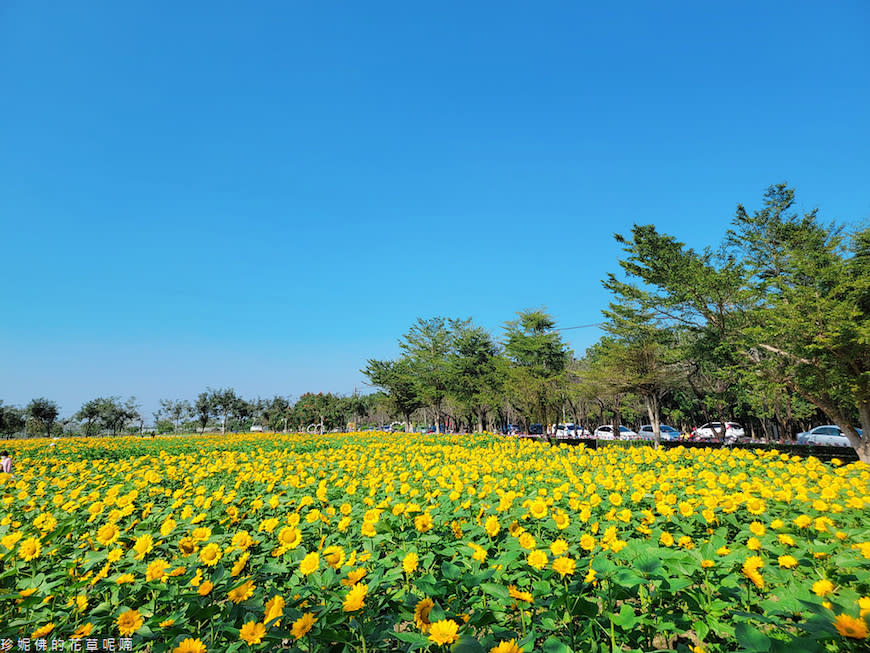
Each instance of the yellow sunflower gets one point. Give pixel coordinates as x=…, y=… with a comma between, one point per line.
x=421, y=614
x=302, y=625
x=252, y=632
x=355, y=598
x=129, y=622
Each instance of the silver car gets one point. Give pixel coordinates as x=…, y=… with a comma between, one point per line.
x=828, y=435
x=606, y=433
x=667, y=432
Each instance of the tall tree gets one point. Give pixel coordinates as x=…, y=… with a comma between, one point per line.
x=44, y=412
x=225, y=403
x=426, y=346
x=810, y=324
x=203, y=409
x=643, y=354
x=278, y=412
x=11, y=419
x=398, y=379
x=115, y=415
x=91, y=413
x=539, y=359
x=703, y=295
x=601, y=382
x=474, y=377
x=176, y=410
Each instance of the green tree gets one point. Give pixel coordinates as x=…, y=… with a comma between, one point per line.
x=643, y=354
x=809, y=329
x=203, y=409
x=539, y=359
x=398, y=379
x=278, y=412
x=427, y=346
x=176, y=411
x=700, y=296
x=355, y=408
x=320, y=408
x=11, y=420
x=473, y=373
x=602, y=384
x=91, y=414
x=115, y=415
x=44, y=412
x=224, y=403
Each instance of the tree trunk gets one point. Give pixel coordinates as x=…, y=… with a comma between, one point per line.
x=652, y=409
x=617, y=418
x=861, y=442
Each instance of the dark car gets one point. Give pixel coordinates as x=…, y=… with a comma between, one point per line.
x=536, y=429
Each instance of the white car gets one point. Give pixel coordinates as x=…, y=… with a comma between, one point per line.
x=605, y=432
x=667, y=432
x=828, y=435
x=712, y=430
x=571, y=431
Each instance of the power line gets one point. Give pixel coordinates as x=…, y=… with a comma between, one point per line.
x=581, y=326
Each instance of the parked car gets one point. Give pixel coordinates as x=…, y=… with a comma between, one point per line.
x=605, y=432
x=570, y=431
x=667, y=432
x=828, y=435
x=711, y=430
x=536, y=429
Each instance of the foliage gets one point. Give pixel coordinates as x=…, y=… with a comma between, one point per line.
x=539, y=360
x=810, y=326
x=175, y=411
x=43, y=412
x=11, y=419
x=108, y=413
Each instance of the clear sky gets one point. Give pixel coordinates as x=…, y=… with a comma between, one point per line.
x=264, y=195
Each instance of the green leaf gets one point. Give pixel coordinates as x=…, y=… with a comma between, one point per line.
x=496, y=590
x=647, y=564
x=751, y=638
x=437, y=613
x=220, y=573
x=467, y=644
x=626, y=618
x=553, y=645
x=676, y=584
x=627, y=578
x=549, y=623
x=450, y=571
x=145, y=632
x=584, y=608
x=412, y=638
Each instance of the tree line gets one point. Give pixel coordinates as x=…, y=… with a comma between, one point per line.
x=220, y=409
x=769, y=328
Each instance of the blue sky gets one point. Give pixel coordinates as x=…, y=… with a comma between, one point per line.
x=265, y=195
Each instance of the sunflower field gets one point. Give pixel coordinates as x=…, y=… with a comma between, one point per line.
x=394, y=542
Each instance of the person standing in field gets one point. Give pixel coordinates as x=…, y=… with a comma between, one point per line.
x=5, y=463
